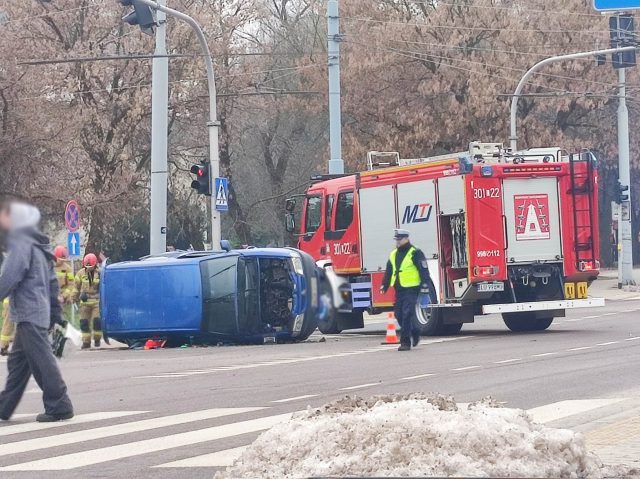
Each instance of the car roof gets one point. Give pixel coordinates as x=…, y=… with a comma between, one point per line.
x=176, y=258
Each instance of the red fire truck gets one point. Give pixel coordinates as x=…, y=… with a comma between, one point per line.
x=510, y=233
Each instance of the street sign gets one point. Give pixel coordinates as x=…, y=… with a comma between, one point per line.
x=72, y=216
x=221, y=191
x=615, y=5
x=73, y=243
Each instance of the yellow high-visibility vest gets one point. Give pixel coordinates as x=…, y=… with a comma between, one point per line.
x=409, y=275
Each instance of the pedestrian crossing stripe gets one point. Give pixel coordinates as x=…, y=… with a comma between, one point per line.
x=57, y=460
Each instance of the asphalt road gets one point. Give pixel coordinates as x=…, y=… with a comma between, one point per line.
x=137, y=410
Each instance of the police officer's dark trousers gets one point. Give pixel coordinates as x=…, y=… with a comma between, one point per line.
x=31, y=354
x=405, y=311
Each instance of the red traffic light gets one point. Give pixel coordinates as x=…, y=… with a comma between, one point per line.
x=202, y=183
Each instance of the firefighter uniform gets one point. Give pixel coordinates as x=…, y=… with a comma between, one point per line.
x=6, y=335
x=87, y=291
x=66, y=280
x=407, y=273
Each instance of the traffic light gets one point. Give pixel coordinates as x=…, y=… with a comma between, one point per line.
x=620, y=193
x=140, y=15
x=202, y=183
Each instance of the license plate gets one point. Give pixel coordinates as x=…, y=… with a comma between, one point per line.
x=488, y=287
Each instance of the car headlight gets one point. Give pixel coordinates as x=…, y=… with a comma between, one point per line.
x=296, y=260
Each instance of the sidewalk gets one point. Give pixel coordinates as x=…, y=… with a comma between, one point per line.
x=606, y=286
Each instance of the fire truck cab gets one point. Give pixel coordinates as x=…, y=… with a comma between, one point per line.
x=504, y=232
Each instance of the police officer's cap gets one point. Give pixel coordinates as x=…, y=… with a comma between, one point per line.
x=400, y=234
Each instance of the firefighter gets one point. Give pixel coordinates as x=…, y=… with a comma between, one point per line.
x=6, y=335
x=87, y=287
x=407, y=273
x=64, y=274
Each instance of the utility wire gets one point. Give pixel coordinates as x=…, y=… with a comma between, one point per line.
x=144, y=85
x=520, y=70
x=480, y=29
x=518, y=9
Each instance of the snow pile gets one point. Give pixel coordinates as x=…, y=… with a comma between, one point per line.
x=416, y=436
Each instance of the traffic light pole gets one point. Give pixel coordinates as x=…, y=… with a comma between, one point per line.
x=336, y=164
x=625, y=253
x=159, y=132
x=518, y=93
x=213, y=124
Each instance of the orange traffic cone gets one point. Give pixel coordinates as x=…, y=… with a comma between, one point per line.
x=392, y=337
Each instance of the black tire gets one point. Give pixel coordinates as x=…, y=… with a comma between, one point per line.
x=519, y=322
x=433, y=321
x=329, y=325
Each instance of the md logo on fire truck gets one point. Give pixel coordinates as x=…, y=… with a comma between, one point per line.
x=417, y=213
x=532, y=217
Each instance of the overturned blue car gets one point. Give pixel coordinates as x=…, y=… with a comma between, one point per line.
x=205, y=297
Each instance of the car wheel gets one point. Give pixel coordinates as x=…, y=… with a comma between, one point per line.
x=519, y=322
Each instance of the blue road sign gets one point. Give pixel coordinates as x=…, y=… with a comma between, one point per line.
x=605, y=5
x=72, y=216
x=73, y=244
x=221, y=191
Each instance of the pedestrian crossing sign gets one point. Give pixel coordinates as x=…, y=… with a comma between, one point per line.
x=222, y=194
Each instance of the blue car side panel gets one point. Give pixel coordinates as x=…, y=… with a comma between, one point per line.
x=158, y=298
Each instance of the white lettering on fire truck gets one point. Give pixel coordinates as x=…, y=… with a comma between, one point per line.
x=488, y=253
x=481, y=193
x=341, y=248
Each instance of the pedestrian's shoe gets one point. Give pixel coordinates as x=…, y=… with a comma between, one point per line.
x=96, y=342
x=4, y=351
x=4, y=417
x=86, y=344
x=415, y=339
x=54, y=417
x=404, y=347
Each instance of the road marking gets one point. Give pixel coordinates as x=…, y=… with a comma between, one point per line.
x=541, y=355
x=196, y=372
x=607, y=343
x=633, y=338
x=359, y=386
x=121, y=451
x=223, y=458
x=80, y=419
x=609, y=314
x=296, y=398
x=118, y=429
x=562, y=409
x=465, y=368
x=590, y=317
x=418, y=376
x=505, y=361
x=582, y=348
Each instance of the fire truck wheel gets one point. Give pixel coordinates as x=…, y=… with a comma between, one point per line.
x=330, y=324
x=430, y=321
x=525, y=322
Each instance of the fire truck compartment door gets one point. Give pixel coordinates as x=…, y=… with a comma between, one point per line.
x=417, y=213
x=377, y=221
x=533, y=221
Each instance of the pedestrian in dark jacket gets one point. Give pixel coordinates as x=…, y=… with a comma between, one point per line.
x=408, y=274
x=28, y=279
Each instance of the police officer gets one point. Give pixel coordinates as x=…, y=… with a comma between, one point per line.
x=88, y=292
x=407, y=273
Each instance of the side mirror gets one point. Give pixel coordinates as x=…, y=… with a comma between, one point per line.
x=290, y=222
x=290, y=205
x=225, y=245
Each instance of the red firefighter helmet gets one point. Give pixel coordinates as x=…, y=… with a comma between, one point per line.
x=90, y=261
x=60, y=252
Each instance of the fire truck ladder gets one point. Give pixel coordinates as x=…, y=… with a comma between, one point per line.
x=581, y=185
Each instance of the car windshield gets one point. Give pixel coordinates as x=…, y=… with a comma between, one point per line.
x=219, y=289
